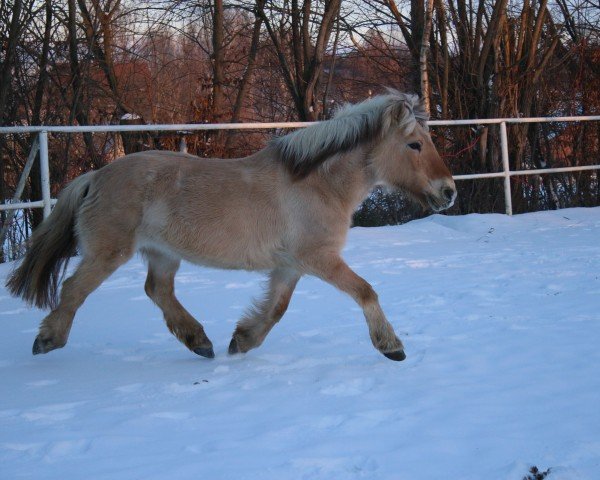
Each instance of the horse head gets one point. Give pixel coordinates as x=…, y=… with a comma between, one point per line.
x=405, y=158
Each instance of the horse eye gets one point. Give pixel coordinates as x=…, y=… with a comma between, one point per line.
x=415, y=146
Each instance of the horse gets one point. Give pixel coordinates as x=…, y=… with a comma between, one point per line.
x=285, y=210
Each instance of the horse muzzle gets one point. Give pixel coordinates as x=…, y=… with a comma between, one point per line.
x=442, y=194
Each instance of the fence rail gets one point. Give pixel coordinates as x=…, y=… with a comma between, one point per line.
x=41, y=143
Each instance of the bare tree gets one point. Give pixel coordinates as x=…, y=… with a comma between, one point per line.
x=300, y=44
x=423, y=57
x=38, y=104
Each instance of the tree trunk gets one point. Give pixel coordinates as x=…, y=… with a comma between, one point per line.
x=218, y=62
x=10, y=49
x=37, y=215
x=245, y=83
x=77, y=109
x=423, y=55
x=218, y=94
x=10, y=46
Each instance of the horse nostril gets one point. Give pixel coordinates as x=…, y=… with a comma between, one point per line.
x=448, y=193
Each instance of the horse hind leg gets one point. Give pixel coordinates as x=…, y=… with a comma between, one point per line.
x=258, y=322
x=93, y=269
x=160, y=287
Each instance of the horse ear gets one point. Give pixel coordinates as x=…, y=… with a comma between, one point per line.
x=400, y=113
x=419, y=110
x=394, y=115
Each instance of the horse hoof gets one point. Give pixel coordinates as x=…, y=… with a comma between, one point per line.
x=397, y=356
x=207, y=352
x=233, y=347
x=43, y=346
x=37, y=347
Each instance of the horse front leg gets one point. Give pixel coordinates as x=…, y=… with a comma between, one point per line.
x=335, y=271
x=252, y=329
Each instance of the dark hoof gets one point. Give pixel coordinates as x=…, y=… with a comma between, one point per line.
x=233, y=347
x=207, y=352
x=43, y=346
x=37, y=347
x=397, y=356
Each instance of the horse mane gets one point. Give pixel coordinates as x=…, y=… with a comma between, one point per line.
x=306, y=149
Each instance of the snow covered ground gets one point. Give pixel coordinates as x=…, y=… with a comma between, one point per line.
x=500, y=318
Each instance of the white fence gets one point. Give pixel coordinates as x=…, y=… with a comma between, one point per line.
x=41, y=145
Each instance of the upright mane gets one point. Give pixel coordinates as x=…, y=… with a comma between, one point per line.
x=306, y=149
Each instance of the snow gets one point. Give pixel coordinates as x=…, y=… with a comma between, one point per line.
x=501, y=322
x=130, y=116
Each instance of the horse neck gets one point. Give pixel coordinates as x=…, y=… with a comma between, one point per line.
x=349, y=176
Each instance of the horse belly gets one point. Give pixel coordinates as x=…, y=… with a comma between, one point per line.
x=230, y=242
x=222, y=250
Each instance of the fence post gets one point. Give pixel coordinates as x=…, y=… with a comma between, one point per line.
x=45, y=173
x=505, y=168
x=183, y=145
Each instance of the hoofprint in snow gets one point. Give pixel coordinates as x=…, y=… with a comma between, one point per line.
x=500, y=317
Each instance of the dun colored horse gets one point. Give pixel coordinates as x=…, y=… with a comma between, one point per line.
x=285, y=209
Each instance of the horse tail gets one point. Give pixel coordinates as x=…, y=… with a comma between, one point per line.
x=50, y=248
